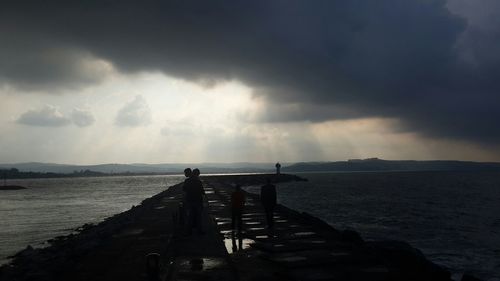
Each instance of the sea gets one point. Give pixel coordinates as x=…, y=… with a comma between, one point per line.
x=54, y=207
x=452, y=217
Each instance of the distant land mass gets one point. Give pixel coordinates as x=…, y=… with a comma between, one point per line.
x=140, y=168
x=44, y=170
x=375, y=164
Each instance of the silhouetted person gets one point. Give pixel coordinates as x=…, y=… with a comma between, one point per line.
x=183, y=209
x=194, y=192
x=278, y=168
x=268, y=199
x=237, y=203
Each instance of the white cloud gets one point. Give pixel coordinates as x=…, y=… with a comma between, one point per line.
x=47, y=116
x=135, y=113
x=82, y=117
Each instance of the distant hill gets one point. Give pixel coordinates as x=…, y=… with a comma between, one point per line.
x=241, y=167
x=375, y=164
x=372, y=164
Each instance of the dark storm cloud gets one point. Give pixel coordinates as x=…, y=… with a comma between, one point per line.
x=363, y=58
x=34, y=61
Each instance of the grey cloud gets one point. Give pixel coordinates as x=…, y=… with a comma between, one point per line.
x=31, y=62
x=312, y=60
x=51, y=116
x=82, y=117
x=135, y=113
x=47, y=116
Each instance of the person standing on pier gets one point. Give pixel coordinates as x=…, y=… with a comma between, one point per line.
x=278, y=168
x=237, y=203
x=183, y=208
x=194, y=192
x=268, y=199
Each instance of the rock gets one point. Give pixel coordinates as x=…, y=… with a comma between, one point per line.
x=410, y=260
x=351, y=236
x=11, y=187
x=28, y=251
x=468, y=277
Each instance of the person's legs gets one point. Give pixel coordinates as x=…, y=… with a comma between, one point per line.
x=233, y=219
x=239, y=220
x=199, y=213
x=190, y=214
x=270, y=217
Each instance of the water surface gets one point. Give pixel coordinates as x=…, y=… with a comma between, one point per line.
x=453, y=217
x=52, y=207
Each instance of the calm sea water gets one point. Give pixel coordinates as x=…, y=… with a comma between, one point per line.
x=52, y=207
x=454, y=218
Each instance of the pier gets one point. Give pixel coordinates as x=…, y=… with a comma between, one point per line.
x=148, y=242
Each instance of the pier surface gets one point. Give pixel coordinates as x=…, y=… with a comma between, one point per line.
x=300, y=247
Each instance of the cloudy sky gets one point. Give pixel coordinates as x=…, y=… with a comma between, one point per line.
x=124, y=81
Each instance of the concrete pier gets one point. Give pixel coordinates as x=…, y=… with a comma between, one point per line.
x=148, y=242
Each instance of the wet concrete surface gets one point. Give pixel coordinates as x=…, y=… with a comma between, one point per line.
x=299, y=247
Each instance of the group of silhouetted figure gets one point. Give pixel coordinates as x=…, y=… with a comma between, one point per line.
x=268, y=200
x=192, y=203
x=193, y=200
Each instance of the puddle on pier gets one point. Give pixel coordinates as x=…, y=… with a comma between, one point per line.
x=235, y=244
x=255, y=228
x=219, y=204
x=198, y=264
x=303, y=233
x=252, y=215
x=253, y=223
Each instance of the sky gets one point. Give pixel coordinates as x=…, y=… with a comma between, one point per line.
x=88, y=82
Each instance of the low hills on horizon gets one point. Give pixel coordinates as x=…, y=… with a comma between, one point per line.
x=352, y=165
x=141, y=168
x=376, y=164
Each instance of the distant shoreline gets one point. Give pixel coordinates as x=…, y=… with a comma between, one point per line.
x=39, y=175
x=33, y=175
x=52, y=170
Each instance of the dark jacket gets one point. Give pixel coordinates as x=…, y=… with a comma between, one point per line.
x=268, y=196
x=193, y=189
x=238, y=200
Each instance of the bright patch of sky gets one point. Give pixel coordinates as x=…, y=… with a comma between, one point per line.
x=152, y=118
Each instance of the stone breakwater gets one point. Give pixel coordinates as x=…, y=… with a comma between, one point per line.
x=301, y=247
